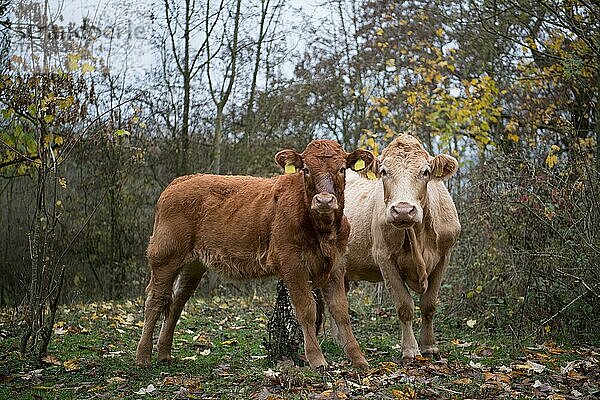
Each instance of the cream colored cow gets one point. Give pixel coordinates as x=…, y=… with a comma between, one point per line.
x=403, y=227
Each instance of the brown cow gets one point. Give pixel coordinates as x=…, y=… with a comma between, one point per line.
x=403, y=228
x=291, y=226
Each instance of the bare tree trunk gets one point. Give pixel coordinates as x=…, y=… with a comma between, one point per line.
x=250, y=121
x=218, y=140
x=188, y=68
x=186, y=75
x=220, y=99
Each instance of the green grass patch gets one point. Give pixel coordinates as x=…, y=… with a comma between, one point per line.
x=219, y=354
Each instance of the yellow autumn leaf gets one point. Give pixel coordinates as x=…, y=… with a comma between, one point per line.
x=71, y=365
x=73, y=60
x=407, y=393
x=515, y=138
x=379, y=31
x=439, y=32
x=512, y=125
x=549, y=213
x=551, y=160
x=87, y=68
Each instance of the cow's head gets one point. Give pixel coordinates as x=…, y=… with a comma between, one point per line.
x=405, y=169
x=323, y=166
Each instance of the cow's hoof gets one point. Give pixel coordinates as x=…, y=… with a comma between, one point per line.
x=360, y=364
x=165, y=358
x=431, y=351
x=143, y=362
x=410, y=354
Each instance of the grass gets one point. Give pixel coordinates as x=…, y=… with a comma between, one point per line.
x=219, y=354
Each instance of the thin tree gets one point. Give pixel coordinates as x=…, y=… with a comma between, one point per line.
x=220, y=93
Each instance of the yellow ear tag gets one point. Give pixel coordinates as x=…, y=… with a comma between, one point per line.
x=290, y=169
x=360, y=164
x=371, y=175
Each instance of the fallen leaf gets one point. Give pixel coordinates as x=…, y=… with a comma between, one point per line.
x=457, y=343
x=542, y=386
x=60, y=330
x=475, y=365
x=273, y=376
x=147, y=390
x=50, y=359
x=504, y=368
x=71, y=365
x=463, y=381
x=116, y=379
x=536, y=367
x=407, y=393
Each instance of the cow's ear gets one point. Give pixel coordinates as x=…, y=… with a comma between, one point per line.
x=443, y=166
x=289, y=160
x=363, y=162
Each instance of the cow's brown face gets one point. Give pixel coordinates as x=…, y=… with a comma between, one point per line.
x=323, y=166
x=405, y=170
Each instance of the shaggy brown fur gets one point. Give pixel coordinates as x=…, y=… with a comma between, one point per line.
x=291, y=226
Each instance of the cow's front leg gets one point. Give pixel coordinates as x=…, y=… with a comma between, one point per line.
x=404, y=307
x=306, y=313
x=186, y=284
x=337, y=302
x=428, y=303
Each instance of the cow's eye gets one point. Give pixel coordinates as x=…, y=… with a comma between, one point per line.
x=383, y=173
x=343, y=170
x=306, y=171
x=426, y=173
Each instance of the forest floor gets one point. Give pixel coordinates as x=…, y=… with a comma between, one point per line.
x=219, y=354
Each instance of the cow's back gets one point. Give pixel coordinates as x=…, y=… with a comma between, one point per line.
x=225, y=221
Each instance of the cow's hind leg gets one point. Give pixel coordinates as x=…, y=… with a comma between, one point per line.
x=337, y=301
x=157, y=300
x=306, y=309
x=186, y=284
x=428, y=304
